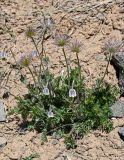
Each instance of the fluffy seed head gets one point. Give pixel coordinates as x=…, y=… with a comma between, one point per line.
x=75, y=46
x=61, y=40
x=30, y=33
x=25, y=60
x=112, y=46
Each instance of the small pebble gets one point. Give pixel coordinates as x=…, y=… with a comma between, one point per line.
x=3, y=142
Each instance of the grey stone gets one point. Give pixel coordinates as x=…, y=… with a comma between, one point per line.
x=118, y=63
x=3, y=142
x=100, y=58
x=118, y=109
x=2, y=112
x=121, y=133
x=54, y=142
x=122, y=10
x=101, y=16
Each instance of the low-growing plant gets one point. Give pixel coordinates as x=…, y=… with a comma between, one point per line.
x=62, y=104
x=31, y=157
x=71, y=113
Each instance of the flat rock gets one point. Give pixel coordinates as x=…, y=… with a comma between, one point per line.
x=2, y=112
x=118, y=63
x=55, y=142
x=118, y=109
x=3, y=142
x=121, y=133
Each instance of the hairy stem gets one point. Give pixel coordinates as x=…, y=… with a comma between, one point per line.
x=13, y=55
x=41, y=58
x=106, y=70
x=79, y=66
x=42, y=43
x=32, y=75
x=66, y=66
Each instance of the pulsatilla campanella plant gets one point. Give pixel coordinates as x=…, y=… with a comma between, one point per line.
x=63, y=105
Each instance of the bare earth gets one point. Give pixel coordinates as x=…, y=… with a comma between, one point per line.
x=90, y=21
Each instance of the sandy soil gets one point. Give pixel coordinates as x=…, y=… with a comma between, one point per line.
x=90, y=21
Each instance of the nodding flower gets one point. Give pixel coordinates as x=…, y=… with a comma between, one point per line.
x=3, y=54
x=50, y=113
x=50, y=22
x=25, y=60
x=34, y=53
x=112, y=46
x=72, y=93
x=62, y=73
x=75, y=46
x=46, y=91
x=61, y=39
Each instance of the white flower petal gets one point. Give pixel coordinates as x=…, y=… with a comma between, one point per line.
x=3, y=55
x=34, y=53
x=46, y=91
x=50, y=114
x=72, y=93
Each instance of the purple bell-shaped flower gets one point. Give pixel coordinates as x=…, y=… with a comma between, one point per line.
x=50, y=114
x=46, y=91
x=72, y=93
